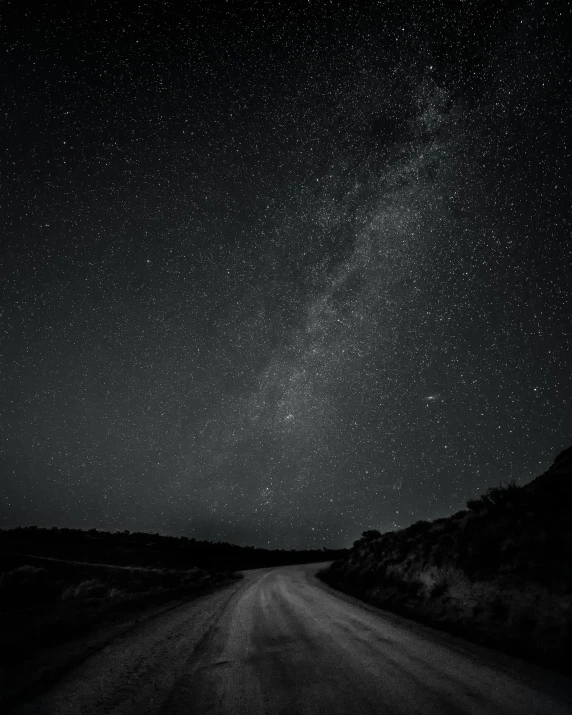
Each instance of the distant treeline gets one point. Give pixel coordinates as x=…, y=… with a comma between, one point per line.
x=125, y=548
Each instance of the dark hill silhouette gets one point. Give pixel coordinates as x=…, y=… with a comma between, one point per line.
x=499, y=572
x=124, y=548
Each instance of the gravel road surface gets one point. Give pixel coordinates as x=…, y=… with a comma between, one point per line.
x=281, y=642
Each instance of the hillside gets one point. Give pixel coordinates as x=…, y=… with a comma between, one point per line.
x=498, y=573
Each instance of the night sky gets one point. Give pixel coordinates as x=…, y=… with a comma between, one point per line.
x=274, y=273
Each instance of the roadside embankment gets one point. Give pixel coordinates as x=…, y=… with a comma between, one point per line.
x=498, y=573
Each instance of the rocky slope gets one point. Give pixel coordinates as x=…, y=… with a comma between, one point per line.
x=499, y=573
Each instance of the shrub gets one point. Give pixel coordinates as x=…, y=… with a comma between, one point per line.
x=439, y=588
x=114, y=592
x=371, y=534
x=412, y=588
x=503, y=496
x=91, y=588
x=419, y=527
x=476, y=505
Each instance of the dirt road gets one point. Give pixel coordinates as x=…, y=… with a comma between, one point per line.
x=282, y=642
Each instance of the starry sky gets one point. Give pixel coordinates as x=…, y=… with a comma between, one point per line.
x=276, y=273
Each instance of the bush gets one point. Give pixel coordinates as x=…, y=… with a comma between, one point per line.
x=114, y=592
x=91, y=588
x=412, y=588
x=476, y=505
x=502, y=496
x=371, y=534
x=419, y=527
x=439, y=588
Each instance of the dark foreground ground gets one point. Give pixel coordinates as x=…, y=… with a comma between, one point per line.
x=280, y=641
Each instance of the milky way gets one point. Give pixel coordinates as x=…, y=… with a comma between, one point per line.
x=275, y=275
